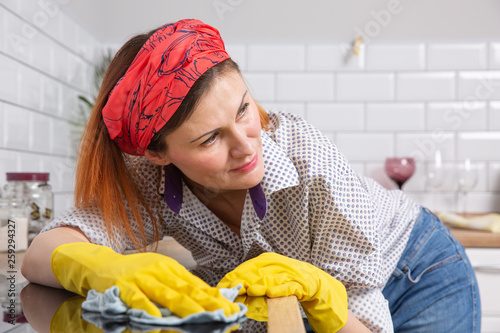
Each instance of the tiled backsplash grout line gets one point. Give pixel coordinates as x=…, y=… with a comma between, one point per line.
x=37, y=154
x=50, y=115
x=55, y=78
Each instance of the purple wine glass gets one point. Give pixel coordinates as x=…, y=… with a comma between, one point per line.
x=400, y=169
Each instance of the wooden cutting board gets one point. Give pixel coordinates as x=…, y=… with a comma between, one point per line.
x=474, y=238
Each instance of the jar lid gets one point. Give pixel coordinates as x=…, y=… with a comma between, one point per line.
x=28, y=176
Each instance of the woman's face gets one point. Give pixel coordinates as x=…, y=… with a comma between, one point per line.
x=219, y=146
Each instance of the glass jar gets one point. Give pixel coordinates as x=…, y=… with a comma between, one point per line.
x=33, y=189
x=15, y=215
x=4, y=211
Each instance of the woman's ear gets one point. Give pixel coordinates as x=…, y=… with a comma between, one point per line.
x=156, y=158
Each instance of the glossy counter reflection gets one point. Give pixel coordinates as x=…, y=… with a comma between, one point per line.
x=54, y=310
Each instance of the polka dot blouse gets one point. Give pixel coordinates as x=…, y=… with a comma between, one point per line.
x=309, y=206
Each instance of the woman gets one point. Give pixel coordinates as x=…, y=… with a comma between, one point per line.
x=232, y=184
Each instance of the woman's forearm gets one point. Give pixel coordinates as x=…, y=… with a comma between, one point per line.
x=36, y=265
x=353, y=325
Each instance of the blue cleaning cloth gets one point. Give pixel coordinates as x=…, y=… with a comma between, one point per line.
x=111, y=307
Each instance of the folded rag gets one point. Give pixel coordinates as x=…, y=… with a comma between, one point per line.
x=486, y=222
x=111, y=307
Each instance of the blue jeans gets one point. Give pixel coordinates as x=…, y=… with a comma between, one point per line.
x=433, y=288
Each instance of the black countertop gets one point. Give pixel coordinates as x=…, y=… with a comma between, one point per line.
x=37, y=308
x=28, y=307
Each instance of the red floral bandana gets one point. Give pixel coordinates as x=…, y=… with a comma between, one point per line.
x=157, y=81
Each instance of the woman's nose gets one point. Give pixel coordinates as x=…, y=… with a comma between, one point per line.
x=241, y=146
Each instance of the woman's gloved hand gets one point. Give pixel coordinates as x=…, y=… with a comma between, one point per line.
x=323, y=298
x=142, y=279
x=257, y=306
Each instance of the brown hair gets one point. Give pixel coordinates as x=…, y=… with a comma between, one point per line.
x=103, y=179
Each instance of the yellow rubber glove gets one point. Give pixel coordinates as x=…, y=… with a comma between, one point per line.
x=323, y=298
x=257, y=306
x=142, y=279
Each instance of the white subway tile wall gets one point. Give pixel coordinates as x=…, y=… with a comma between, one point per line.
x=9, y=84
x=296, y=108
x=17, y=127
x=395, y=100
x=304, y=87
x=365, y=146
x=365, y=87
x=276, y=58
x=450, y=116
x=2, y=29
x=494, y=177
x=337, y=117
x=457, y=56
x=495, y=56
x=261, y=86
x=479, y=146
x=238, y=53
x=2, y=125
x=423, y=145
x=426, y=86
x=391, y=99
x=494, y=120
x=396, y=57
x=478, y=85
x=46, y=61
x=395, y=117
x=334, y=58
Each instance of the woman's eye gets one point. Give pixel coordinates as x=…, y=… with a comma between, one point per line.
x=243, y=109
x=211, y=139
x=214, y=136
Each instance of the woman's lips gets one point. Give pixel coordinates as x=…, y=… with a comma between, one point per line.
x=248, y=166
